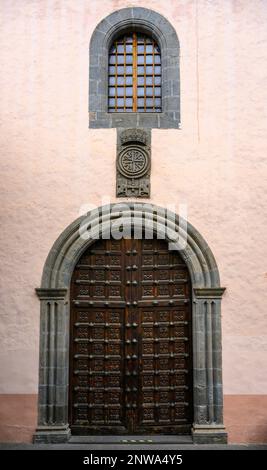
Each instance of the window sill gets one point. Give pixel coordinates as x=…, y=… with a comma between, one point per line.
x=163, y=120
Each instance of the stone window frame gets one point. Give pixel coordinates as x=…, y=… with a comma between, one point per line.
x=53, y=403
x=151, y=23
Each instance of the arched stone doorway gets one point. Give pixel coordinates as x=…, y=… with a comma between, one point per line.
x=53, y=421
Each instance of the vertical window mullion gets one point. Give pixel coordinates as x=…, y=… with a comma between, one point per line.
x=124, y=73
x=134, y=72
x=153, y=70
x=116, y=76
x=144, y=74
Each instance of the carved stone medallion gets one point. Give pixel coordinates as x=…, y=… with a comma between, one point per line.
x=133, y=163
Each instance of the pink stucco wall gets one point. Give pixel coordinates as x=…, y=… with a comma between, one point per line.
x=52, y=164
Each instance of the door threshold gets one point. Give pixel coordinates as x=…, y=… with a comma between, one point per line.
x=127, y=439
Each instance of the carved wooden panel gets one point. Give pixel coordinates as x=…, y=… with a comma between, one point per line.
x=131, y=361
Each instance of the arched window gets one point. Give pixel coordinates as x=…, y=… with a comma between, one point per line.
x=134, y=75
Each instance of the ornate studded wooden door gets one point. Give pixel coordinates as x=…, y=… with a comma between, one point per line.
x=130, y=355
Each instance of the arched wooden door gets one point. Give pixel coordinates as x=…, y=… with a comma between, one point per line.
x=130, y=344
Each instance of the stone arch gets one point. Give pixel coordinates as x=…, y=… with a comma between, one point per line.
x=54, y=329
x=154, y=24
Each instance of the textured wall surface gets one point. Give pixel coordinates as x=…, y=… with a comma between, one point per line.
x=51, y=163
x=245, y=418
x=18, y=417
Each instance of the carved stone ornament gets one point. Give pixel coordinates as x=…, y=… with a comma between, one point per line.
x=133, y=163
x=133, y=135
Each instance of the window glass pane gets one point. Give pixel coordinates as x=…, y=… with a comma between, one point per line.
x=158, y=91
x=111, y=102
x=129, y=91
x=129, y=69
x=111, y=81
x=140, y=81
x=111, y=91
x=149, y=91
x=129, y=48
x=129, y=102
x=120, y=91
x=140, y=70
x=140, y=91
x=112, y=59
x=129, y=39
x=149, y=80
x=111, y=70
x=157, y=80
x=157, y=49
x=111, y=110
x=149, y=70
x=120, y=69
x=149, y=48
x=140, y=101
x=129, y=59
x=120, y=101
x=140, y=59
x=112, y=49
x=120, y=80
x=158, y=110
x=140, y=110
x=149, y=59
x=120, y=59
x=157, y=102
x=140, y=48
x=129, y=80
x=120, y=48
x=157, y=59
x=157, y=70
x=149, y=102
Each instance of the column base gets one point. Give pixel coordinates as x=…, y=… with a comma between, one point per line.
x=52, y=434
x=209, y=434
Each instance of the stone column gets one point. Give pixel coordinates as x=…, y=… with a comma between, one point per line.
x=53, y=370
x=207, y=358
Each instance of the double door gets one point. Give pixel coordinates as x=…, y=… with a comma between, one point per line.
x=130, y=354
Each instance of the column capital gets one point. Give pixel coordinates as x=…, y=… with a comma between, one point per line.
x=51, y=294
x=209, y=292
